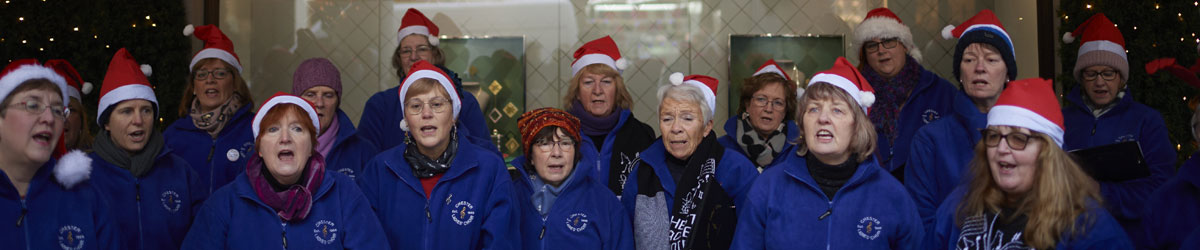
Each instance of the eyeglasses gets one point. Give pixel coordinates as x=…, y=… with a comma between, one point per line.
x=547, y=145
x=873, y=46
x=437, y=105
x=1108, y=75
x=216, y=74
x=420, y=49
x=1016, y=140
x=762, y=101
x=36, y=107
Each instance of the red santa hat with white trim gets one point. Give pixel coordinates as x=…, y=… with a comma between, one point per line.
x=1029, y=103
x=771, y=67
x=78, y=86
x=282, y=98
x=216, y=45
x=883, y=23
x=415, y=22
x=423, y=69
x=706, y=84
x=846, y=77
x=74, y=167
x=1101, y=44
x=125, y=80
x=599, y=51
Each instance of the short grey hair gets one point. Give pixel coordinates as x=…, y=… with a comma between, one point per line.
x=686, y=93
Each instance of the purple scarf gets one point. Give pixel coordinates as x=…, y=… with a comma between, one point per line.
x=891, y=94
x=294, y=203
x=592, y=125
x=325, y=141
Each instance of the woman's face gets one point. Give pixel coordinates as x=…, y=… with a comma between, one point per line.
x=429, y=116
x=414, y=48
x=683, y=126
x=1101, y=91
x=74, y=124
x=27, y=136
x=597, y=93
x=829, y=129
x=766, y=118
x=1013, y=170
x=887, y=62
x=210, y=91
x=285, y=147
x=983, y=72
x=130, y=124
x=554, y=159
x=325, y=100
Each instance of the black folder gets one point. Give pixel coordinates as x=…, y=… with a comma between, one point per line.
x=1113, y=162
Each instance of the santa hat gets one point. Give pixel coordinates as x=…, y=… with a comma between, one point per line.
x=984, y=28
x=282, y=98
x=22, y=70
x=78, y=86
x=846, y=77
x=74, y=167
x=1188, y=76
x=599, y=51
x=706, y=84
x=414, y=22
x=1102, y=44
x=125, y=80
x=216, y=45
x=1029, y=103
x=882, y=23
x=771, y=67
x=423, y=69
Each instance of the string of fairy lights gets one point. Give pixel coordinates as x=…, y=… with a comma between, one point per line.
x=145, y=22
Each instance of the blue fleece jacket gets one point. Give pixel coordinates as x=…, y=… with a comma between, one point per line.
x=472, y=206
x=791, y=132
x=939, y=155
x=235, y=218
x=1127, y=121
x=735, y=173
x=620, y=141
x=1172, y=211
x=933, y=98
x=786, y=209
x=350, y=151
x=381, y=116
x=51, y=216
x=216, y=160
x=585, y=216
x=155, y=211
x=1099, y=229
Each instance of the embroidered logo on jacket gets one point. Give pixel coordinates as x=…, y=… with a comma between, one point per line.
x=930, y=115
x=70, y=237
x=347, y=171
x=1125, y=138
x=171, y=201
x=577, y=222
x=325, y=231
x=869, y=228
x=463, y=213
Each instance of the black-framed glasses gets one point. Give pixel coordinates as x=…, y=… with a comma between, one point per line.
x=216, y=74
x=1107, y=75
x=37, y=107
x=437, y=105
x=547, y=145
x=1016, y=140
x=873, y=46
x=762, y=101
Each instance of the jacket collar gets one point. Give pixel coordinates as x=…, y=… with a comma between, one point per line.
x=968, y=115
x=1076, y=98
x=40, y=178
x=241, y=187
x=238, y=116
x=464, y=156
x=345, y=128
x=798, y=170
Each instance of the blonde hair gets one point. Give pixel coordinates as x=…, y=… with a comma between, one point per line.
x=862, y=142
x=1060, y=193
x=84, y=140
x=622, y=98
x=397, y=61
x=239, y=85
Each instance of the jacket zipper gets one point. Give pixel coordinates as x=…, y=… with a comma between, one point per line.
x=211, y=167
x=24, y=211
x=137, y=187
x=829, y=225
x=283, y=226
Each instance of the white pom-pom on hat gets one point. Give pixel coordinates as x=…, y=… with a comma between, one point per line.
x=87, y=88
x=799, y=93
x=948, y=32
x=433, y=40
x=404, y=125
x=867, y=99
x=188, y=30
x=676, y=78
x=1068, y=37
x=146, y=70
x=622, y=64
x=73, y=168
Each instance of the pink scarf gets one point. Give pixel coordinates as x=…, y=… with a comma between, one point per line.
x=294, y=203
x=325, y=141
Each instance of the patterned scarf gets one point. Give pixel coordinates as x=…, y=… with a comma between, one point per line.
x=293, y=203
x=703, y=216
x=214, y=120
x=422, y=166
x=891, y=94
x=762, y=151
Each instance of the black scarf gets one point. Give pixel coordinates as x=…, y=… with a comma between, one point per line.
x=138, y=163
x=702, y=216
x=831, y=177
x=761, y=151
x=994, y=231
x=422, y=166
